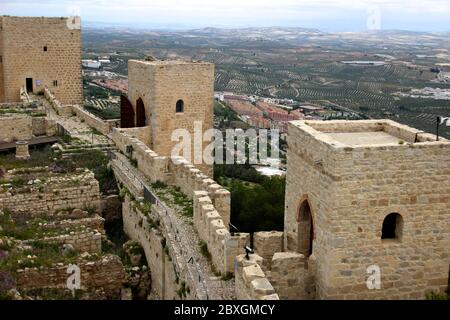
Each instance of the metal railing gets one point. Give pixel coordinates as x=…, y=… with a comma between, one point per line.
x=172, y=225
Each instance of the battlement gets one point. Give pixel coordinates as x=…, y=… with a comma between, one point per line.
x=158, y=62
x=366, y=134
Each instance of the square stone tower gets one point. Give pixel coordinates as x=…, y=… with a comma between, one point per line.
x=369, y=196
x=36, y=52
x=169, y=95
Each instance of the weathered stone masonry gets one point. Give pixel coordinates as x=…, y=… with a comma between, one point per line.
x=350, y=188
x=155, y=88
x=57, y=192
x=45, y=50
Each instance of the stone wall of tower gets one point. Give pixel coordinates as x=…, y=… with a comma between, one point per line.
x=2, y=85
x=24, y=40
x=160, y=84
x=350, y=191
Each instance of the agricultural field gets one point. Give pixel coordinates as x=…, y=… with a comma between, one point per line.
x=304, y=65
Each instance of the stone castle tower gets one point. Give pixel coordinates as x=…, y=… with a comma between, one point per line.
x=169, y=95
x=39, y=52
x=362, y=195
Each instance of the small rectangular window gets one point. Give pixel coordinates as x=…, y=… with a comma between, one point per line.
x=55, y=83
x=45, y=48
x=1, y=59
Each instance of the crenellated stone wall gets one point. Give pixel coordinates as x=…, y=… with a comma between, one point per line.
x=292, y=276
x=250, y=280
x=212, y=229
x=265, y=244
x=179, y=172
x=174, y=171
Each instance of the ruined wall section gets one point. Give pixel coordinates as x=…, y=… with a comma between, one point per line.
x=106, y=273
x=15, y=127
x=51, y=194
x=24, y=56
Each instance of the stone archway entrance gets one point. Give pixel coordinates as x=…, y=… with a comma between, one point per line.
x=140, y=113
x=126, y=113
x=305, y=230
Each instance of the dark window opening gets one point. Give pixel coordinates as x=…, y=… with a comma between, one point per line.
x=45, y=48
x=55, y=83
x=180, y=106
x=1, y=59
x=392, y=226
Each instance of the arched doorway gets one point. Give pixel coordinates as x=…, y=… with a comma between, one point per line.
x=305, y=230
x=126, y=113
x=140, y=113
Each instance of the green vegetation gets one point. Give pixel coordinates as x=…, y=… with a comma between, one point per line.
x=204, y=249
x=183, y=290
x=257, y=201
x=38, y=254
x=203, y=246
x=96, y=91
x=173, y=197
x=39, y=158
x=111, y=112
x=22, y=227
x=243, y=172
x=94, y=160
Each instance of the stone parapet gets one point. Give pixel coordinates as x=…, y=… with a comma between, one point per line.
x=250, y=281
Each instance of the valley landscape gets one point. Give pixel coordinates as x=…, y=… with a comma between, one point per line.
x=369, y=73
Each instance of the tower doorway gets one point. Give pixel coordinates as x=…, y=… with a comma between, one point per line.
x=140, y=113
x=29, y=84
x=305, y=230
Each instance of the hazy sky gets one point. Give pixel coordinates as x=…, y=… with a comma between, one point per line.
x=327, y=15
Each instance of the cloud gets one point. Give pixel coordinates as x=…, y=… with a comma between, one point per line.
x=239, y=12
